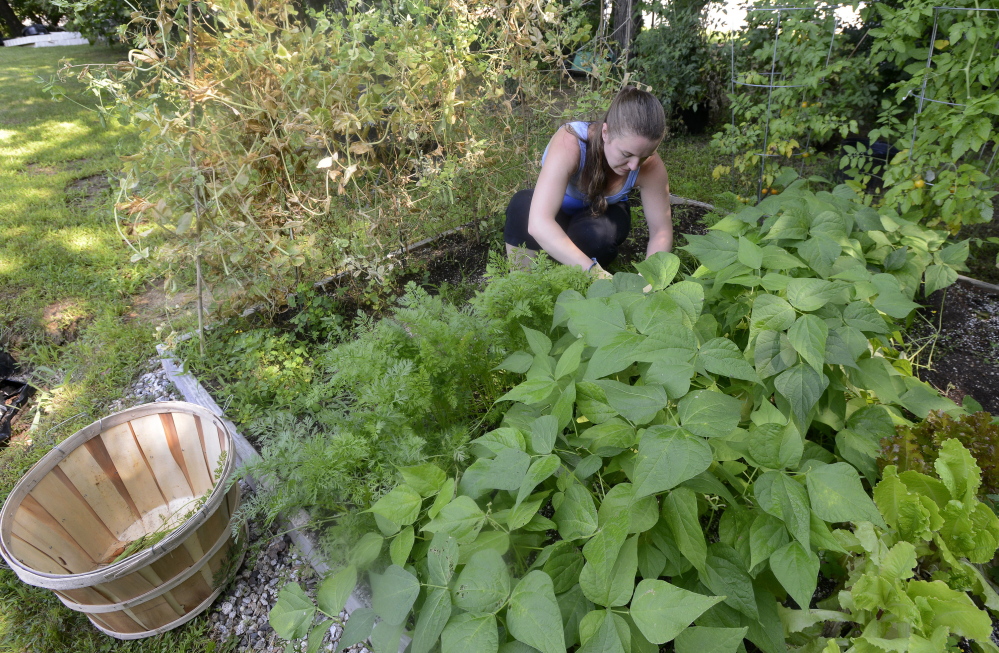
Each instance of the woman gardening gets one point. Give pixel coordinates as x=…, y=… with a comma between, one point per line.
x=578, y=212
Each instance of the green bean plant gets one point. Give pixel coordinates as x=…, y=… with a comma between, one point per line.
x=676, y=461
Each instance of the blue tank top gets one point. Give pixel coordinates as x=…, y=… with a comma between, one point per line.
x=575, y=199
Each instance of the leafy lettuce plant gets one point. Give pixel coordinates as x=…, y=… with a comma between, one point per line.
x=916, y=447
x=908, y=586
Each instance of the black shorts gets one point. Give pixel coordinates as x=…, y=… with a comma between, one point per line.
x=597, y=236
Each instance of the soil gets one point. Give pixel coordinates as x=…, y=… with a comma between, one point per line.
x=686, y=220
x=982, y=264
x=964, y=360
x=85, y=193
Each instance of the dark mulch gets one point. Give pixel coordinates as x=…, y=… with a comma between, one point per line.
x=686, y=220
x=982, y=262
x=965, y=358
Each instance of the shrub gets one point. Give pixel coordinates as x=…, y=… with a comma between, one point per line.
x=823, y=92
x=302, y=146
x=685, y=69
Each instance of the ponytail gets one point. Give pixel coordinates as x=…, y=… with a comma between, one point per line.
x=633, y=112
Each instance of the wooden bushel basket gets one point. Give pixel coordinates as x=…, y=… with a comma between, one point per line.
x=154, y=469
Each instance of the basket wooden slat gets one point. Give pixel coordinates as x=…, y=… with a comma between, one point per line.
x=153, y=467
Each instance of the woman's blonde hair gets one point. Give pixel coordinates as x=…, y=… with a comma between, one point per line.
x=632, y=113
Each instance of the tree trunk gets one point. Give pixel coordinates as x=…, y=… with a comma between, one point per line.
x=626, y=16
x=8, y=21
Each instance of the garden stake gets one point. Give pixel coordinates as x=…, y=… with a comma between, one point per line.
x=197, y=197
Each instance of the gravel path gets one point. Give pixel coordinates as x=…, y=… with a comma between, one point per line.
x=240, y=613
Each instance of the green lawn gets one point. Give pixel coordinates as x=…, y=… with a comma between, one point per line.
x=67, y=306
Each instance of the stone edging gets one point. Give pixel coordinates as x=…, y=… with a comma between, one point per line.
x=195, y=393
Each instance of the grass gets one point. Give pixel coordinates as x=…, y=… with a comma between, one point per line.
x=67, y=308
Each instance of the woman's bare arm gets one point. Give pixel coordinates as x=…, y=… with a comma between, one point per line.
x=560, y=165
x=654, y=184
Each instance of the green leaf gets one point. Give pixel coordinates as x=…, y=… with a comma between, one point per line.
x=610, y=438
x=385, y=637
x=668, y=456
x=598, y=320
x=608, y=576
x=401, y=505
x=540, y=469
x=940, y=605
x=808, y=336
x=680, y=514
x=497, y=440
x=770, y=312
x=574, y=606
x=811, y=294
x=292, y=615
x=939, y=277
x=568, y=363
x=659, y=269
x=702, y=639
x=778, y=258
x=955, y=254
x=797, y=569
x=518, y=362
x=576, y=516
x=522, y=513
x=606, y=639
x=468, y=632
x=820, y=252
x=434, y=615
x=689, y=296
x=442, y=558
x=775, y=446
x=334, y=591
x=750, y=254
x=484, y=584
x=506, y=471
x=637, y=404
x=615, y=355
x=461, y=518
x=958, y=470
x=498, y=541
x=726, y=577
x=401, y=546
x=366, y=550
x=662, y=611
x=785, y=498
x=531, y=391
x=715, y=251
x=802, y=386
x=393, y=593
x=766, y=535
x=722, y=356
x=563, y=565
x=533, y=616
x=317, y=635
x=837, y=495
x=357, y=629
x=709, y=413
x=540, y=344
x=427, y=479
x=838, y=350
x=895, y=304
x=643, y=513
x=865, y=317
x=773, y=354
x=656, y=312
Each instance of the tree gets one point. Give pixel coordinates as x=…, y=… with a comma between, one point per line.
x=8, y=20
x=626, y=17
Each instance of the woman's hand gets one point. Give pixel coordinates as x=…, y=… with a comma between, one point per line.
x=654, y=184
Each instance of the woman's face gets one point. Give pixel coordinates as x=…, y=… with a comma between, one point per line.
x=626, y=152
